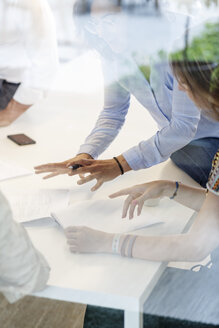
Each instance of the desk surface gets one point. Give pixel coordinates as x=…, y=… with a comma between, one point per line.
x=103, y=280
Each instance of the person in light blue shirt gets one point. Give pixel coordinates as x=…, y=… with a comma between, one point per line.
x=189, y=137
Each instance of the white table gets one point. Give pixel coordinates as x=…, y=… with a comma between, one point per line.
x=101, y=280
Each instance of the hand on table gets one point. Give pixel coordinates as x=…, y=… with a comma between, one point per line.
x=55, y=169
x=138, y=194
x=86, y=240
x=101, y=170
x=12, y=112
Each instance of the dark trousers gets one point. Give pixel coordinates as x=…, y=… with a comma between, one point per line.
x=7, y=91
x=196, y=158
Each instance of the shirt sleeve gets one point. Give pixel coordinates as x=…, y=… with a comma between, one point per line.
x=213, y=181
x=23, y=269
x=181, y=125
x=178, y=123
x=111, y=119
x=41, y=47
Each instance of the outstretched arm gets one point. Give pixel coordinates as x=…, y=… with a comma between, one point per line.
x=191, y=197
x=195, y=245
x=106, y=129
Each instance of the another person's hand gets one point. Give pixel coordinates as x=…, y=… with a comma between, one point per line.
x=138, y=194
x=101, y=170
x=86, y=240
x=12, y=112
x=55, y=169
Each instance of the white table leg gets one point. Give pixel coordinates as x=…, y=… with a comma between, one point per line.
x=133, y=319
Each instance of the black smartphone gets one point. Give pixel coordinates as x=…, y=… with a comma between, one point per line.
x=21, y=139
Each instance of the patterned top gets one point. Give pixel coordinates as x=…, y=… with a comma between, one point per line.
x=213, y=181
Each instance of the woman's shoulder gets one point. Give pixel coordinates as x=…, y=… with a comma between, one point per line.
x=213, y=181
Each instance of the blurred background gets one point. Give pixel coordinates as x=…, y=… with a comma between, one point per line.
x=147, y=27
x=141, y=29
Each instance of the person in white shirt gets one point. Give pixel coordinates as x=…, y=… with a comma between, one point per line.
x=23, y=269
x=28, y=55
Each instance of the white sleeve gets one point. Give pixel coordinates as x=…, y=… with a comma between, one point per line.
x=41, y=48
x=23, y=269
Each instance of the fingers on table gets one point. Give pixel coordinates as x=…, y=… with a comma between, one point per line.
x=91, y=177
x=121, y=192
x=51, y=175
x=130, y=205
x=71, y=230
x=140, y=202
x=74, y=249
x=97, y=185
x=126, y=205
x=82, y=170
x=86, y=179
x=73, y=237
x=49, y=166
x=52, y=169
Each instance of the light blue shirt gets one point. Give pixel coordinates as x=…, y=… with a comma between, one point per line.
x=179, y=120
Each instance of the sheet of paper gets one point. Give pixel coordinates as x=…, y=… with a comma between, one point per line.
x=105, y=215
x=10, y=171
x=32, y=204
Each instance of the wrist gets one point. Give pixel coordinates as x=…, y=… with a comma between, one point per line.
x=107, y=243
x=84, y=155
x=168, y=188
x=123, y=163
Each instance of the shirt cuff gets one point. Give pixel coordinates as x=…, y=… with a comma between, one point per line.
x=133, y=160
x=88, y=149
x=27, y=96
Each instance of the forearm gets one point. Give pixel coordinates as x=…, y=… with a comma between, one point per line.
x=202, y=238
x=191, y=197
x=199, y=242
x=12, y=112
x=158, y=248
x=166, y=248
x=109, y=122
x=103, y=134
x=159, y=147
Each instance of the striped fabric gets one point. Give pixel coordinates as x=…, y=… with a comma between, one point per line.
x=213, y=181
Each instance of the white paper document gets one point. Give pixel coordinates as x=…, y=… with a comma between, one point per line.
x=33, y=204
x=10, y=171
x=105, y=215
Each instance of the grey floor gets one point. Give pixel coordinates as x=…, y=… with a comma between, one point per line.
x=32, y=312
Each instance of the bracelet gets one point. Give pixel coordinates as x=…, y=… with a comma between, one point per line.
x=175, y=192
x=123, y=247
x=127, y=245
x=131, y=245
x=115, y=243
x=120, y=166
